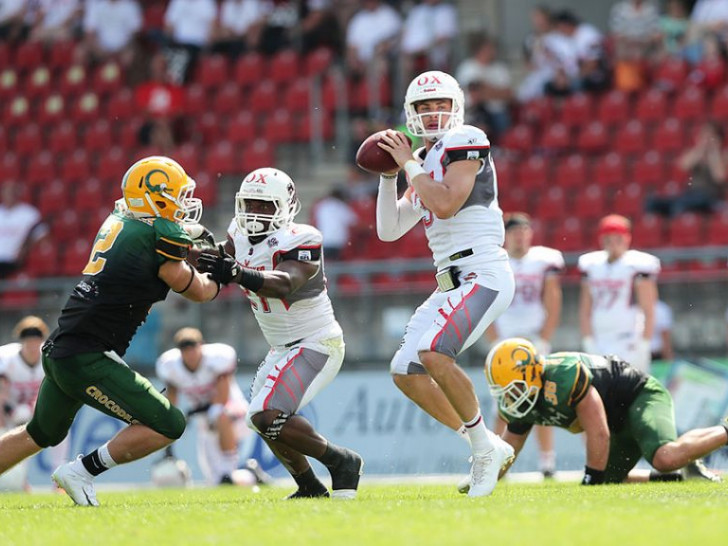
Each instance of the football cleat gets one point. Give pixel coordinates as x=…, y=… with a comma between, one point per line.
x=487, y=466
x=345, y=475
x=302, y=494
x=698, y=471
x=77, y=486
x=464, y=485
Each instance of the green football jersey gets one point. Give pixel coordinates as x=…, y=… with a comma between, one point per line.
x=567, y=377
x=120, y=284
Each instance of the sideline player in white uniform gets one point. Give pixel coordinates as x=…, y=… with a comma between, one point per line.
x=618, y=295
x=280, y=269
x=21, y=374
x=204, y=373
x=453, y=190
x=535, y=311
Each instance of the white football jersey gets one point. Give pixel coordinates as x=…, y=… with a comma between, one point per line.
x=526, y=314
x=614, y=309
x=478, y=225
x=199, y=386
x=24, y=380
x=308, y=310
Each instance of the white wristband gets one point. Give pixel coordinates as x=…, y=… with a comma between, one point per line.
x=412, y=168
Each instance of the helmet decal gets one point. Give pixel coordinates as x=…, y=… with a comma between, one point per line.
x=156, y=188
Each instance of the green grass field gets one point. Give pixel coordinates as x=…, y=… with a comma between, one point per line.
x=693, y=514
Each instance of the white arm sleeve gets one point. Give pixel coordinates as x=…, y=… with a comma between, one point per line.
x=394, y=217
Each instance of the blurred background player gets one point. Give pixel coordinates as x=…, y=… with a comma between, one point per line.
x=138, y=256
x=624, y=413
x=21, y=374
x=281, y=271
x=661, y=342
x=618, y=295
x=205, y=374
x=535, y=310
x=453, y=191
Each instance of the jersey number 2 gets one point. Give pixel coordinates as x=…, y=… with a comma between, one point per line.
x=105, y=241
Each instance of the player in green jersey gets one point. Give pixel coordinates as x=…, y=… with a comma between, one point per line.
x=137, y=257
x=624, y=413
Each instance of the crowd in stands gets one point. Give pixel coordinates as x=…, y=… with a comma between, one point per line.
x=88, y=86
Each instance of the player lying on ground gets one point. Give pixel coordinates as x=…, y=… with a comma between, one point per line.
x=624, y=413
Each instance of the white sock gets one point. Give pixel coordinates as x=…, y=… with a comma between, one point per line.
x=462, y=432
x=547, y=460
x=105, y=456
x=228, y=463
x=478, y=434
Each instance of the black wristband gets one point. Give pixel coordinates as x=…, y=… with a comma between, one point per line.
x=251, y=279
x=192, y=278
x=592, y=476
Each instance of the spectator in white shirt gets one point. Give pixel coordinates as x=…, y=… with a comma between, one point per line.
x=55, y=20
x=428, y=33
x=240, y=26
x=21, y=226
x=588, y=44
x=12, y=19
x=635, y=27
x=334, y=218
x=709, y=17
x=371, y=35
x=189, y=26
x=110, y=27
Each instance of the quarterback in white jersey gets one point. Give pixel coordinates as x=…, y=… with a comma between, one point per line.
x=280, y=268
x=535, y=310
x=21, y=375
x=453, y=190
x=204, y=373
x=618, y=295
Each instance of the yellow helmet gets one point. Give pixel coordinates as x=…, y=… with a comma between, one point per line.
x=159, y=186
x=514, y=371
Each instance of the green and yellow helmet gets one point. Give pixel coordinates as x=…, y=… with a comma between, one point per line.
x=159, y=186
x=514, y=371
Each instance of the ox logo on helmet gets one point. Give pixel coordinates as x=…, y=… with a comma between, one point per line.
x=430, y=79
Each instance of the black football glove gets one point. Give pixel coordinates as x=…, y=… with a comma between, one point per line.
x=222, y=267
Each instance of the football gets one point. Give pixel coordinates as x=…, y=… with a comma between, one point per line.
x=372, y=158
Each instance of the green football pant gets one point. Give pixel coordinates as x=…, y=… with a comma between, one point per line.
x=650, y=424
x=102, y=381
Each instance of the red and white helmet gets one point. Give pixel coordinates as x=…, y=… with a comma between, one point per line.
x=434, y=85
x=266, y=184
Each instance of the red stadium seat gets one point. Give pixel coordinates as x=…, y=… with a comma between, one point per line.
x=29, y=55
x=669, y=136
x=647, y=231
x=577, y=109
x=651, y=106
x=228, y=99
x=89, y=196
x=258, y=154
x=28, y=140
x=649, y=169
x=40, y=170
x=73, y=81
x=571, y=172
x=264, y=97
x=65, y=226
x=690, y=104
x=717, y=229
x=76, y=167
x=568, y=235
x=671, y=73
x=593, y=138
x=220, y=160
x=86, y=108
x=52, y=110
x=129, y=132
x=518, y=138
x=304, y=126
x=39, y=84
x=206, y=188
x=533, y=174
x=121, y=105
x=505, y=170
x=631, y=138
x=250, y=69
x=590, y=203
x=285, y=67
x=629, y=201
x=212, y=71
x=614, y=108
x=298, y=96
x=537, y=111
x=362, y=94
x=719, y=104
x=4, y=140
x=610, y=170
x=552, y=205
x=61, y=54
x=5, y=54
x=278, y=127
x=241, y=129
x=686, y=230
x=98, y=136
x=42, y=260
x=107, y=79
x=53, y=199
x=111, y=166
x=514, y=199
x=17, y=113
x=10, y=166
x=75, y=257
x=556, y=138
x=196, y=100
x=188, y=155
x=318, y=61
x=9, y=83
x=210, y=127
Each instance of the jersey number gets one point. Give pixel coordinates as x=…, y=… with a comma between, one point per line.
x=105, y=241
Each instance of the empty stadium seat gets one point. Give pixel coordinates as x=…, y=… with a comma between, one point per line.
x=719, y=104
x=9, y=83
x=53, y=199
x=717, y=229
x=241, y=129
x=649, y=169
x=28, y=140
x=647, y=231
x=571, y=172
x=669, y=136
x=593, y=138
x=631, y=138
x=552, y=205
x=537, y=111
x=40, y=170
x=264, y=97
x=73, y=81
x=228, y=99
x=76, y=166
x=629, y=200
x=258, y=154
x=576, y=109
x=278, y=127
x=86, y=107
x=318, y=61
x=42, y=260
x=689, y=104
x=61, y=54
x=17, y=113
x=568, y=235
x=670, y=73
x=212, y=71
x=88, y=196
x=651, y=106
x=285, y=67
x=111, y=166
x=610, y=170
x=65, y=226
x=590, y=203
x=556, y=138
x=533, y=174
x=98, y=136
x=514, y=199
x=29, y=55
x=196, y=100
x=298, y=96
x=74, y=258
x=107, y=78
x=121, y=105
x=220, y=160
x=686, y=230
x=614, y=108
x=519, y=138
x=52, y=110
x=10, y=165
x=39, y=84
x=250, y=69
x=305, y=127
